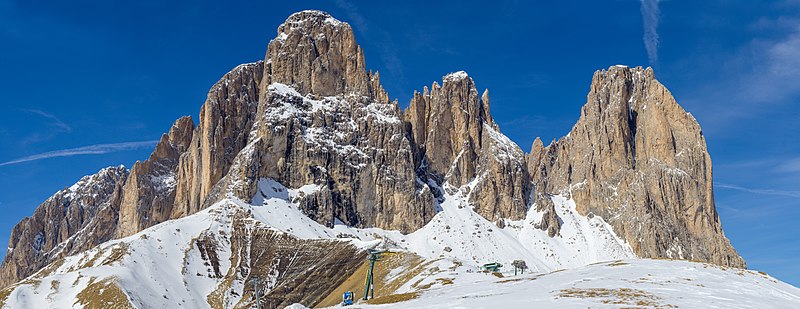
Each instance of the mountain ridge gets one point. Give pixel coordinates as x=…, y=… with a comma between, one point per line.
x=310, y=114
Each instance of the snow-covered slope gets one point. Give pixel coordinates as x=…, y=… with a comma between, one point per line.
x=638, y=283
x=146, y=266
x=164, y=264
x=208, y=259
x=457, y=232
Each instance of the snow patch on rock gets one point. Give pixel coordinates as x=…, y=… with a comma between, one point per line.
x=455, y=76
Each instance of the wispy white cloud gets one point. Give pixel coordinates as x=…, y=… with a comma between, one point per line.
x=650, y=17
x=788, y=193
x=57, y=123
x=789, y=163
x=92, y=149
x=775, y=66
x=44, y=131
x=757, y=78
x=790, y=166
x=353, y=14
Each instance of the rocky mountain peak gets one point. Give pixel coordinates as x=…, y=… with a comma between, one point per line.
x=447, y=124
x=317, y=54
x=52, y=231
x=149, y=193
x=459, y=143
x=180, y=134
x=312, y=16
x=456, y=76
x=176, y=141
x=225, y=125
x=87, y=184
x=311, y=118
x=634, y=145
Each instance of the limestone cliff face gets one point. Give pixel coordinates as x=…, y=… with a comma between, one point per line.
x=316, y=53
x=637, y=159
x=310, y=114
x=457, y=141
x=149, y=192
x=323, y=120
x=447, y=124
x=226, y=119
x=58, y=226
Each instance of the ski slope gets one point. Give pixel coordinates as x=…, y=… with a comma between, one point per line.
x=638, y=283
x=457, y=232
x=163, y=266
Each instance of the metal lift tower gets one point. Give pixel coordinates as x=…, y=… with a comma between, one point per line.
x=369, y=287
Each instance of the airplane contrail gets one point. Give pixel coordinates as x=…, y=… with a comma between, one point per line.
x=758, y=191
x=91, y=149
x=650, y=16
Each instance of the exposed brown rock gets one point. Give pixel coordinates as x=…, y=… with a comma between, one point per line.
x=149, y=192
x=322, y=119
x=503, y=189
x=59, y=226
x=310, y=275
x=226, y=120
x=316, y=53
x=457, y=140
x=637, y=159
x=311, y=114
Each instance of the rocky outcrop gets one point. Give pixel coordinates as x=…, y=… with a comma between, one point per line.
x=457, y=142
x=355, y=148
x=639, y=160
x=310, y=275
x=311, y=115
x=226, y=120
x=60, y=225
x=149, y=192
x=316, y=53
x=110, y=204
x=323, y=120
x=447, y=124
x=503, y=186
x=211, y=260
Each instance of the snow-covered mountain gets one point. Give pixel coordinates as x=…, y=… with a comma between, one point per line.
x=300, y=163
x=638, y=283
x=208, y=260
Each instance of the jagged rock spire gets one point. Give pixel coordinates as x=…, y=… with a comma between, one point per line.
x=149, y=193
x=74, y=219
x=446, y=124
x=316, y=53
x=638, y=159
x=457, y=141
x=307, y=115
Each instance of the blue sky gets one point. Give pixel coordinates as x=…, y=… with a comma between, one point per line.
x=103, y=80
